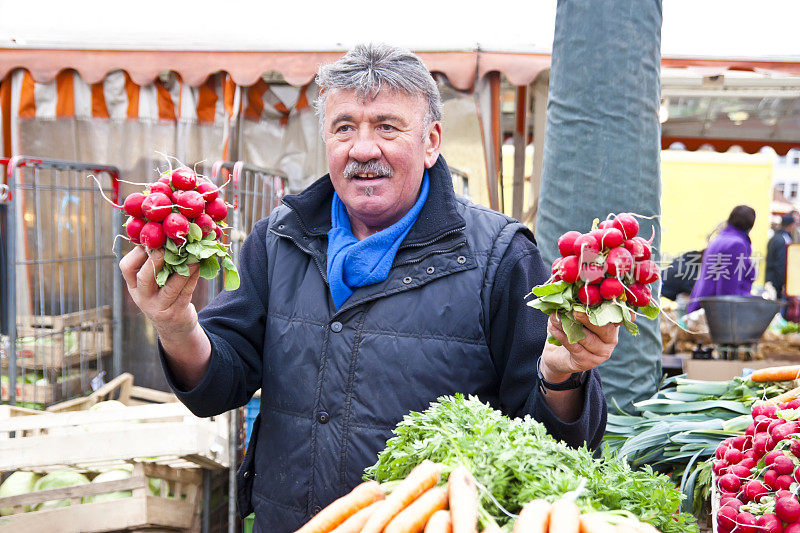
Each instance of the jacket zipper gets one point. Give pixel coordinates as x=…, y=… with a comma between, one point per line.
x=306, y=250
x=443, y=235
x=421, y=259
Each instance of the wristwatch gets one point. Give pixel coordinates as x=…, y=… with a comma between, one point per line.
x=575, y=380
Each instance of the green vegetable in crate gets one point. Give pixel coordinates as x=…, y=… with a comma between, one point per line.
x=604, y=273
x=123, y=472
x=17, y=483
x=57, y=480
x=515, y=461
x=182, y=214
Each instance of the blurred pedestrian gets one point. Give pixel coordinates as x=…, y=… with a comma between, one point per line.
x=727, y=266
x=776, y=253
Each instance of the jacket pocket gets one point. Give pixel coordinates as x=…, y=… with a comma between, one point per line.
x=246, y=474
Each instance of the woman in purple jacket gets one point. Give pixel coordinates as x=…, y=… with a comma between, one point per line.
x=727, y=267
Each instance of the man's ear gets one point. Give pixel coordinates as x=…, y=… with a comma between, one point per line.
x=433, y=144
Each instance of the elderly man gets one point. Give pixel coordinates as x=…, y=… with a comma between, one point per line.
x=366, y=296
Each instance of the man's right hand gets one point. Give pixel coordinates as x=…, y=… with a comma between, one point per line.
x=171, y=311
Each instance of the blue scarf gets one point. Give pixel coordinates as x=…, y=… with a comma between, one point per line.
x=353, y=263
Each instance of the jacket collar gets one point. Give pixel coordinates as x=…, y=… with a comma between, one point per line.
x=438, y=217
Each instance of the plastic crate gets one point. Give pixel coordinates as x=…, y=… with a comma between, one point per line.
x=251, y=412
x=248, y=523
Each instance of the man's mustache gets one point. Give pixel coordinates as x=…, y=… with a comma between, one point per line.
x=370, y=167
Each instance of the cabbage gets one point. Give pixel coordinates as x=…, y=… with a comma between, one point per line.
x=120, y=472
x=17, y=483
x=108, y=404
x=57, y=480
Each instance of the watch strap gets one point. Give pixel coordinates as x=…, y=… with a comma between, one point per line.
x=575, y=380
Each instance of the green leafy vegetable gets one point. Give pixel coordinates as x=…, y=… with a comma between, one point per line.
x=516, y=461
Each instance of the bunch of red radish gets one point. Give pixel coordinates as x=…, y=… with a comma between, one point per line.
x=167, y=207
x=608, y=263
x=761, y=470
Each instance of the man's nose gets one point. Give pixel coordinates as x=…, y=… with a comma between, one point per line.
x=365, y=147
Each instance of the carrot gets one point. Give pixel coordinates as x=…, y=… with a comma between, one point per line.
x=424, y=476
x=413, y=518
x=785, y=397
x=463, y=495
x=534, y=517
x=439, y=522
x=343, y=508
x=357, y=521
x=564, y=517
x=593, y=524
x=776, y=373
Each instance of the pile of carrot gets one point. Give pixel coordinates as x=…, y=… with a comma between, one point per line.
x=419, y=504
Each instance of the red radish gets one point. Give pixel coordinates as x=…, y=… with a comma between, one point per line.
x=191, y=204
x=566, y=243
x=638, y=295
x=726, y=518
x=184, y=178
x=757, y=409
x=771, y=479
x=218, y=232
x=165, y=180
x=739, y=471
x=739, y=442
x=771, y=444
x=751, y=430
x=782, y=465
x=793, y=404
x=718, y=464
x=769, y=523
x=770, y=457
x=731, y=501
x=553, y=269
x=133, y=204
x=591, y=273
x=619, y=262
x=783, y=431
x=207, y=226
x=719, y=453
x=729, y=482
x=792, y=528
x=646, y=272
x=590, y=295
x=733, y=456
x=797, y=474
x=611, y=238
x=586, y=247
x=645, y=253
x=570, y=268
x=163, y=188
x=152, y=236
x=760, y=444
x=627, y=224
x=746, y=523
x=748, y=462
x=754, y=490
x=761, y=422
x=769, y=411
x=133, y=228
x=787, y=509
x=156, y=207
x=605, y=224
x=634, y=247
x=210, y=191
x=784, y=482
x=597, y=234
x=176, y=226
x=217, y=210
x=611, y=288
x=783, y=494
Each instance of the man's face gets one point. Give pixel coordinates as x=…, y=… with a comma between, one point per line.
x=377, y=152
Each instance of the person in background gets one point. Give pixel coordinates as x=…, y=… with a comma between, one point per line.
x=776, y=253
x=727, y=267
x=678, y=279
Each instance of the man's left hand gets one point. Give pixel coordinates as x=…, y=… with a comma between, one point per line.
x=558, y=362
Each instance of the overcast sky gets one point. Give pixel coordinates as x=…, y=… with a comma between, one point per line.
x=765, y=29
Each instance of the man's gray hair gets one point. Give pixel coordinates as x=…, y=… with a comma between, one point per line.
x=368, y=68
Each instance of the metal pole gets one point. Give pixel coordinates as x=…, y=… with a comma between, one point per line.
x=206, y=500
x=117, y=296
x=11, y=285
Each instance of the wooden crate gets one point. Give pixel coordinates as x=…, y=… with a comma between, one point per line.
x=64, y=340
x=44, y=393
x=140, y=511
x=122, y=389
x=166, y=431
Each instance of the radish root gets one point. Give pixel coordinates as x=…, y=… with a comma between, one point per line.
x=100, y=188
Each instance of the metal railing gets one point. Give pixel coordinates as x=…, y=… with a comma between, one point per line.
x=254, y=192
x=62, y=293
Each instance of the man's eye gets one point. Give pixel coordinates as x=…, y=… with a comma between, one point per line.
x=343, y=128
x=386, y=127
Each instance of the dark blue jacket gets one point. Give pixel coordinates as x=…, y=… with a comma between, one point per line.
x=451, y=317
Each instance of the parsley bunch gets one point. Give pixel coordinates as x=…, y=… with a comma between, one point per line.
x=517, y=461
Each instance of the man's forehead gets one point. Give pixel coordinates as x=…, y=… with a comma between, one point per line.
x=385, y=102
